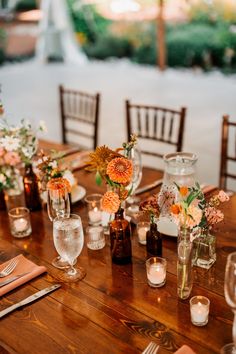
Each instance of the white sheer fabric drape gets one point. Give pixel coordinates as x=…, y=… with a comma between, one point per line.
x=56, y=37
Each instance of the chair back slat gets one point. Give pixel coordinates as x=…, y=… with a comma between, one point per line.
x=79, y=116
x=157, y=124
x=228, y=153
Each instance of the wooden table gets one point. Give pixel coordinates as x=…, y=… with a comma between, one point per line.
x=113, y=310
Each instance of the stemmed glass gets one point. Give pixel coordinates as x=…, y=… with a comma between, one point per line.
x=58, y=205
x=230, y=296
x=68, y=239
x=135, y=156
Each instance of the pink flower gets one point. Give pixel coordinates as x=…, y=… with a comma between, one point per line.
x=223, y=197
x=2, y=151
x=194, y=216
x=213, y=215
x=12, y=158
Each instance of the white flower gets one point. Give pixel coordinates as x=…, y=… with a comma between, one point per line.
x=10, y=143
x=53, y=164
x=69, y=176
x=28, y=151
x=42, y=126
x=2, y=178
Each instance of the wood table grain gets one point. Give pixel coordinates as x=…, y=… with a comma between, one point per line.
x=113, y=310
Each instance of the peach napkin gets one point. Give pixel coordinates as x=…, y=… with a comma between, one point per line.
x=209, y=188
x=185, y=350
x=23, y=266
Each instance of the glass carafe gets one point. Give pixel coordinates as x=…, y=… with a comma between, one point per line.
x=180, y=169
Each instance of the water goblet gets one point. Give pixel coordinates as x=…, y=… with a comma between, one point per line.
x=230, y=296
x=68, y=239
x=58, y=205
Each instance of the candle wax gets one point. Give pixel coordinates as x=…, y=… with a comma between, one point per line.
x=20, y=225
x=199, y=312
x=95, y=215
x=156, y=274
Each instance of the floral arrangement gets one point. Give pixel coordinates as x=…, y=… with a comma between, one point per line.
x=48, y=168
x=150, y=207
x=17, y=145
x=116, y=170
x=193, y=211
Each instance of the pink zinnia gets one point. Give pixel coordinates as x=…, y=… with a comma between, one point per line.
x=213, y=215
x=12, y=158
x=2, y=151
x=223, y=197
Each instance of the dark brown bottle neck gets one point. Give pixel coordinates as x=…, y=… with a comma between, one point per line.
x=29, y=169
x=153, y=226
x=119, y=214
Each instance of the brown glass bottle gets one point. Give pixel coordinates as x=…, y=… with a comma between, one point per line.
x=120, y=238
x=154, y=241
x=32, y=197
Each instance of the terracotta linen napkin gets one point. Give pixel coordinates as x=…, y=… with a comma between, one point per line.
x=185, y=350
x=23, y=266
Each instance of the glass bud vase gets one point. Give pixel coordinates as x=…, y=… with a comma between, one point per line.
x=32, y=196
x=120, y=238
x=154, y=241
x=204, y=249
x=14, y=197
x=184, y=264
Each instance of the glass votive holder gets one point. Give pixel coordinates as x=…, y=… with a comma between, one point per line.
x=199, y=310
x=19, y=219
x=94, y=208
x=156, y=271
x=95, y=237
x=142, y=228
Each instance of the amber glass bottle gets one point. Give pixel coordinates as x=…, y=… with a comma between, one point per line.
x=120, y=237
x=32, y=197
x=154, y=241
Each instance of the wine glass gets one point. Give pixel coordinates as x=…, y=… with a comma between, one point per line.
x=58, y=205
x=68, y=240
x=230, y=296
x=135, y=156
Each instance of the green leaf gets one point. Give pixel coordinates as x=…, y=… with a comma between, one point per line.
x=177, y=186
x=130, y=191
x=98, y=178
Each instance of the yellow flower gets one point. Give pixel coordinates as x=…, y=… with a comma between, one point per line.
x=120, y=170
x=110, y=202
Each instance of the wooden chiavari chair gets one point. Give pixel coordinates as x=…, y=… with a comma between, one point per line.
x=153, y=124
x=79, y=118
x=228, y=152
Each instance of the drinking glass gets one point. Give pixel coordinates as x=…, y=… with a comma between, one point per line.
x=230, y=296
x=135, y=156
x=68, y=240
x=58, y=205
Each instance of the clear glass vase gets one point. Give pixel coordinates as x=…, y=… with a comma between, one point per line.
x=180, y=169
x=15, y=196
x=184, y=264
x=204, y=249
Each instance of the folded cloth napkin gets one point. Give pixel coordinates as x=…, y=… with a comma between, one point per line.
x=208, y=188
x=23, y=266
x=185, y=350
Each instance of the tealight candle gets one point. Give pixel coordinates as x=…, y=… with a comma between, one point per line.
x=94, y=208
x=20, y=224
x=19, y=219
x=199, y=309
x=95, y=237
x=156, y=271
x=95, y=215
x=142, y=228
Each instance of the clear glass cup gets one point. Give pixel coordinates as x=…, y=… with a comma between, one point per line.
x=156, y=271
x=95, y=237
x=68, y=237
x=19, y=219
x=142, y=228
x=230, y=296
x=199, y=310
x=58, y=205
x=94, y=208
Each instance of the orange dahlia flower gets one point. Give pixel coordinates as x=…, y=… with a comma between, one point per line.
x=59, y=183
x=183, y=191
x=175, y=209
x=110, y=202
x=120, y=170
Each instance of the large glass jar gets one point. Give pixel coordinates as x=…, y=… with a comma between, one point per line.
x=180, y=169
